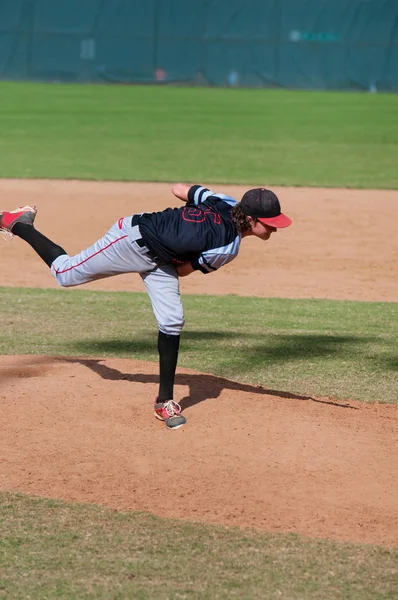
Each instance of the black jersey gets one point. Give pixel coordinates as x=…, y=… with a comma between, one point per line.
x=201, y=232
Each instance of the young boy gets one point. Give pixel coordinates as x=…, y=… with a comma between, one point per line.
x=203, y=235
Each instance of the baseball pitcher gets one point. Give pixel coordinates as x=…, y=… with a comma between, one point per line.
x=203, y=235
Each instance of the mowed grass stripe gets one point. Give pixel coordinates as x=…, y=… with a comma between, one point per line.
x=320, y=347
x=151, y=133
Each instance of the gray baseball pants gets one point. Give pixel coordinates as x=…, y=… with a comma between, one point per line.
x=116, y=253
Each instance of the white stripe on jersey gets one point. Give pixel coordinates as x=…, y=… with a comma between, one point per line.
x=213, y=259
x=202, y=194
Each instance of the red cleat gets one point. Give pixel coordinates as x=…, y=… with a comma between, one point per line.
x=23, y=214
x=170, y=413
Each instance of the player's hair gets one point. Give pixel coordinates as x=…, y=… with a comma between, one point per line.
x=240, y=219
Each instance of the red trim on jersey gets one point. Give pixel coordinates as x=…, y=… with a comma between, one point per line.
x=120, y=222
x=92, y=256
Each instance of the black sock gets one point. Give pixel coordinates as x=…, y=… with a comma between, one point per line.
x=168, y=354
x=44, y=247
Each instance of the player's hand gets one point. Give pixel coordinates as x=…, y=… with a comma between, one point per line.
x=184, y=269
x=180, y=190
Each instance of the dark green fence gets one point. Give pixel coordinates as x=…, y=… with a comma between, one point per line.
x=318, y=44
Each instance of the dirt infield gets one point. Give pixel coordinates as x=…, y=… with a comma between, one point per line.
x=82, y=429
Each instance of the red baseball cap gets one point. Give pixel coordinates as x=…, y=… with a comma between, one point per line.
x=263, y=205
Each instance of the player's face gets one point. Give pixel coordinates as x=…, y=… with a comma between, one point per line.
x=261, y=230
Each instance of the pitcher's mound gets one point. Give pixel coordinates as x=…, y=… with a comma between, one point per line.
x=83, y=429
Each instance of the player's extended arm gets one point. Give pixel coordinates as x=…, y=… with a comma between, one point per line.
x=180, y=190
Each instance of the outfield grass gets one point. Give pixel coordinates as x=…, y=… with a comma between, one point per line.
x=199, y=135
x=325, y=348
x=52, y=549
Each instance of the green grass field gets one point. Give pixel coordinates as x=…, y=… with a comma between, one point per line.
x=192, y=134
x=58, y=550
x=49, y=549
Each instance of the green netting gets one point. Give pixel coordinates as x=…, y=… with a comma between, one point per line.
x=319, y=44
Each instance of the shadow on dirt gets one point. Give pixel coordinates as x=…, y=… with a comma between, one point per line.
x=201, y=386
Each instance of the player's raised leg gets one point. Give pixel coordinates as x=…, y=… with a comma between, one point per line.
x=113, y=254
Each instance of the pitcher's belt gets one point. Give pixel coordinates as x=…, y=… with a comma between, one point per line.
x=140, y=242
